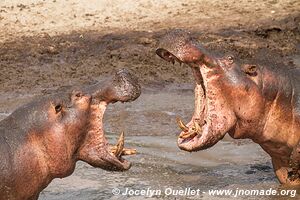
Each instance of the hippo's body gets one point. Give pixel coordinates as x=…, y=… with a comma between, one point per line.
x=24, y=157
x=248, y=101
x=43, y=140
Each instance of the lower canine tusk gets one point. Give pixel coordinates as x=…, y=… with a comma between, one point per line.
x=125, y=151
x=120, y=145
x=181, y=125
x=198, y=128
x=187, y=135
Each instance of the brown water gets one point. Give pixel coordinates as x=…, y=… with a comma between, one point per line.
x=150, y=126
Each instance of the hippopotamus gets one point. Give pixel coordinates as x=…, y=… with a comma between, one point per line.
x=261, y=103
x=43, y=139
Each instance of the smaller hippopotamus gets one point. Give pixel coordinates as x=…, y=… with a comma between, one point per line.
x=43, y=139
x=247, y=101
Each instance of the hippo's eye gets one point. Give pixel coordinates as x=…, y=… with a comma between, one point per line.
x=58, y=108
x=78, y=94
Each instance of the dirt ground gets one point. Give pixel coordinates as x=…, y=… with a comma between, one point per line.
x=48, y=44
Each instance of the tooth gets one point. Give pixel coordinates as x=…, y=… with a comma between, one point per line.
x=198, y=129
x=120, y=145
x=181, y=125
x=184, y=135
x=125, y=151
x=118, y=150
x=187, y=135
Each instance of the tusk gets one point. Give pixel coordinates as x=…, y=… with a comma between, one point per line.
x=198, y=128
x=118, y=150
x=120, y=145
x=125, y=151
x=187, y=135
x=181, y=125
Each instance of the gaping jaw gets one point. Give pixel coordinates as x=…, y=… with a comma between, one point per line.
x=96, y=150
x=195, y=135
x=99, y=152
x=192, y=138
x=207, y=125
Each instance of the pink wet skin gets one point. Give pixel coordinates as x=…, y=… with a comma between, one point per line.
x=96, y=150
x=246, y=101
x=44, y=139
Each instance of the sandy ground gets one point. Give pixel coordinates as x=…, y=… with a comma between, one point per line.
x=29, y=17
x=49, y=45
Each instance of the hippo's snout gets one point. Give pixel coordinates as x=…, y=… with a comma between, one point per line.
x=123, y=86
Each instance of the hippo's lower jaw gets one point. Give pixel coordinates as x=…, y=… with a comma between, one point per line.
x=96, y=151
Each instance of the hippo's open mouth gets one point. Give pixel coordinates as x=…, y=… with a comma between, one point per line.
x=96, y=150
x=206, y=127
x=192, y=133
x=110, y=155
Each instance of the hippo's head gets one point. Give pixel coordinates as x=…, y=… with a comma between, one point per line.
x=67, y=127
x=227, y=97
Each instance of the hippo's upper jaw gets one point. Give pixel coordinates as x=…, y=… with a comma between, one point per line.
x=221, y=92
x=95, y=150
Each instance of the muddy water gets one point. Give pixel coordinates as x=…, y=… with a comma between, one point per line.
x=150, y=126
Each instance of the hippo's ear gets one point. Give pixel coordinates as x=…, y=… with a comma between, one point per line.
x=250, y=70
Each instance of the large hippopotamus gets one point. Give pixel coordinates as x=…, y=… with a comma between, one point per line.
x=246, y=101
x=43, y=139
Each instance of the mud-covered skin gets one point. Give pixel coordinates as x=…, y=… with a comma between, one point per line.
x=42, y=140
x=246, y=101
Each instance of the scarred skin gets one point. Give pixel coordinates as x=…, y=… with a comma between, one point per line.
x=43, y=140
x=246, y=101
